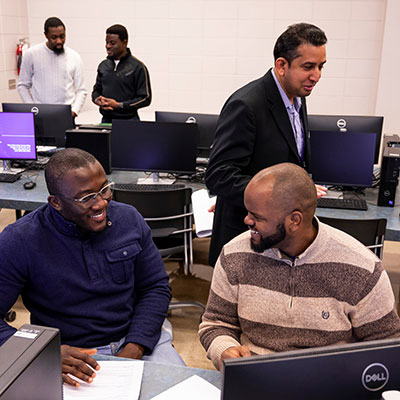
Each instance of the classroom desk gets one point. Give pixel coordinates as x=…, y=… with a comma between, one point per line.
x=14, y=196
x=159, y=377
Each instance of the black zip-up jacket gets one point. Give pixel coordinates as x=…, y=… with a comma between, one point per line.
x=127, y=83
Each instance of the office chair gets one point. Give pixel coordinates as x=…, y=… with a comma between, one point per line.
x=370, y=232
x=168, y=214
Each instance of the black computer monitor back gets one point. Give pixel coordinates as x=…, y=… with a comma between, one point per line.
x=51, y=121
x=207, y=124
x=346, y=372
x=30, y=365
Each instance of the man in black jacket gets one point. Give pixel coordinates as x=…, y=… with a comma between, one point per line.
x=123, y=83
x=262, y=124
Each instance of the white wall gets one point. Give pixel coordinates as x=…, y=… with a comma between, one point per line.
x=199, y=51
x=13, y=26
x=387, y=103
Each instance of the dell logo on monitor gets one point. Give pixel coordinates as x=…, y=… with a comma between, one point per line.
x=35, y=110
x=341, y=124
x=375, y=377
x=191, y=120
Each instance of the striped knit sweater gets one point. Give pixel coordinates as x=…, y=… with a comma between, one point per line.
x=334, y=292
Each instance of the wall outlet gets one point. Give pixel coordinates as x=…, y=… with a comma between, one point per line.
x=12, y=84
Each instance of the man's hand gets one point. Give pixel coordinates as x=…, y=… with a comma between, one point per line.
x=321, y=190
x=234, y=352
x=107, y=104
x=132, y=350
x=74, y=114
x=77, y=362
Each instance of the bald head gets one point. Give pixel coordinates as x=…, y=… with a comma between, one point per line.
x=289, y=186
x=62, y=162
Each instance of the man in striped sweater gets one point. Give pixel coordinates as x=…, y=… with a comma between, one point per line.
x=292, y=282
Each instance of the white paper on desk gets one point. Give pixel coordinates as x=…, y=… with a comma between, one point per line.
x=203, y=219
x=193, y=388
x=115, y=380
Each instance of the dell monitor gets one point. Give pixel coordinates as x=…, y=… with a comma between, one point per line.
x=154, y=146
x=51, y=121
x=346, y=372
x=349, y=123
x=17, y=136
x=30, y=366
x=207, y=124
x=342, y=158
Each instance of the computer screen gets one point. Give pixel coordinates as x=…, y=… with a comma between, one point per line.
x=154, y=146
x=51, y=121
x=349, y=123
x=30, y=366
x=347, y=372
x=17, y=136
x=207, y=124
x=342, y=158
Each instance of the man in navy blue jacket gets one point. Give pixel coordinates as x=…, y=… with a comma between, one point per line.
x=88, y=266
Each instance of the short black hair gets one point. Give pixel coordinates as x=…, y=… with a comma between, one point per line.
x=295, y=35
x=62, y=162
x=52, y=22
x=119, y=30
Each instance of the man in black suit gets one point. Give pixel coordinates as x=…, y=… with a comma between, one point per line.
x=262, y=124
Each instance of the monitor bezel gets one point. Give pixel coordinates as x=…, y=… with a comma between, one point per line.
x=333, y=349
x=340, y=183
x=161, y=125
x=34, y=137
x=326, y=122
x=63, y=111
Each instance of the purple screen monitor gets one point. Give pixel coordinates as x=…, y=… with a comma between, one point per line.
x=17, y=136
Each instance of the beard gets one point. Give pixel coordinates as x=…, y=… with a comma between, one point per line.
x=269, y=241
x=58, y=50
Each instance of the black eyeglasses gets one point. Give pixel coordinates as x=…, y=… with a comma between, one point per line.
x=89, y=199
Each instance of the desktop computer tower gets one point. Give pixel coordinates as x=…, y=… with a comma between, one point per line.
x=389, y=171
x=94, y=141
x=30, y=366
x=389, y=181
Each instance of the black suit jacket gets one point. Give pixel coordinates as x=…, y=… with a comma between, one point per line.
x=253, y=132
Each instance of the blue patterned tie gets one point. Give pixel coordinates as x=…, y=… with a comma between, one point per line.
x=298, y=133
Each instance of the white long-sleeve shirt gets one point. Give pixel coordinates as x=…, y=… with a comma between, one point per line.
x=47, y=77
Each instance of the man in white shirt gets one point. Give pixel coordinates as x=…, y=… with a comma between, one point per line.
x=51, y=72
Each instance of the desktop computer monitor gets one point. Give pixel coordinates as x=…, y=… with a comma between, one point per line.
x=342, y=158
x=17, y=136
x=30, y=366
x=347, y=372
x=349, y=123
x=207, y=124
x=154, y=146
x=51, y=121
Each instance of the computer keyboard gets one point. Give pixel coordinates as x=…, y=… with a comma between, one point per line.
x=348, y=204
x=144, y=187
x=9, y=177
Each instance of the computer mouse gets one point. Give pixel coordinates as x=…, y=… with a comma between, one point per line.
x=29, y=185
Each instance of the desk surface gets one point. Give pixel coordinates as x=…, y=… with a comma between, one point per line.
x=14, y=196
x=159, y=377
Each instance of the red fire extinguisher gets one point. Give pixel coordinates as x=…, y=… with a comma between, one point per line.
x=22, y=46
